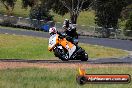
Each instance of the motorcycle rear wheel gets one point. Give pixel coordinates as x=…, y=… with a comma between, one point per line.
x=84, y=57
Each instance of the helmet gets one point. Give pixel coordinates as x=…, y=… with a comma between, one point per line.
x=66, y=23
x=52, y=31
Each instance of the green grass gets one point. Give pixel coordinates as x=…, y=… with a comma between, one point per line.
x=56, y=78
x=25, y=47
x=85, y=18
x=96, y=51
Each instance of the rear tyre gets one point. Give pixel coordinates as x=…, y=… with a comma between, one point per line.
x=61, y=54
x=84, y=57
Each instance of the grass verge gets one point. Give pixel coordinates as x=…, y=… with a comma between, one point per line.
x=56, y=78
x=96, y=51
x=18, y=10
x=25, y=47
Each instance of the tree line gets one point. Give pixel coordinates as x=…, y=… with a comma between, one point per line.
x=107, y=12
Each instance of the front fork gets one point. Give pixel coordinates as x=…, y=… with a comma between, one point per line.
x=59, y=52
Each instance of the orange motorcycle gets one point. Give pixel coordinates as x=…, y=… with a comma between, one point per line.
x=66, y=50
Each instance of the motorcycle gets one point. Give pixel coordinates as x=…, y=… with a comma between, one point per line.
x=66, y=50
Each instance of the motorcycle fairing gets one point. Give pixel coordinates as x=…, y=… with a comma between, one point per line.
x=68, y=45
x=53, y=40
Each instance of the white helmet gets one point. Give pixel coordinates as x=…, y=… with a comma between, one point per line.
x=52, y=30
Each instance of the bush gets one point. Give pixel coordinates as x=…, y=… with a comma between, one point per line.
x=40, y=13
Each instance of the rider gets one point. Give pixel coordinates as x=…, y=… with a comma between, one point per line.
x=70, y=30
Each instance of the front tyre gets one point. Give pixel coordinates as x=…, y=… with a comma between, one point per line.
x=61, y=54
x=64, y=57
x=84, y=57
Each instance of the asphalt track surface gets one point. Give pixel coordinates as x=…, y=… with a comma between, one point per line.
x=115, y=43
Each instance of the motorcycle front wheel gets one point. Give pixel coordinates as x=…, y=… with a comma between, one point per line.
x=84, y=57
x=61, y=54
x=64, y=57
